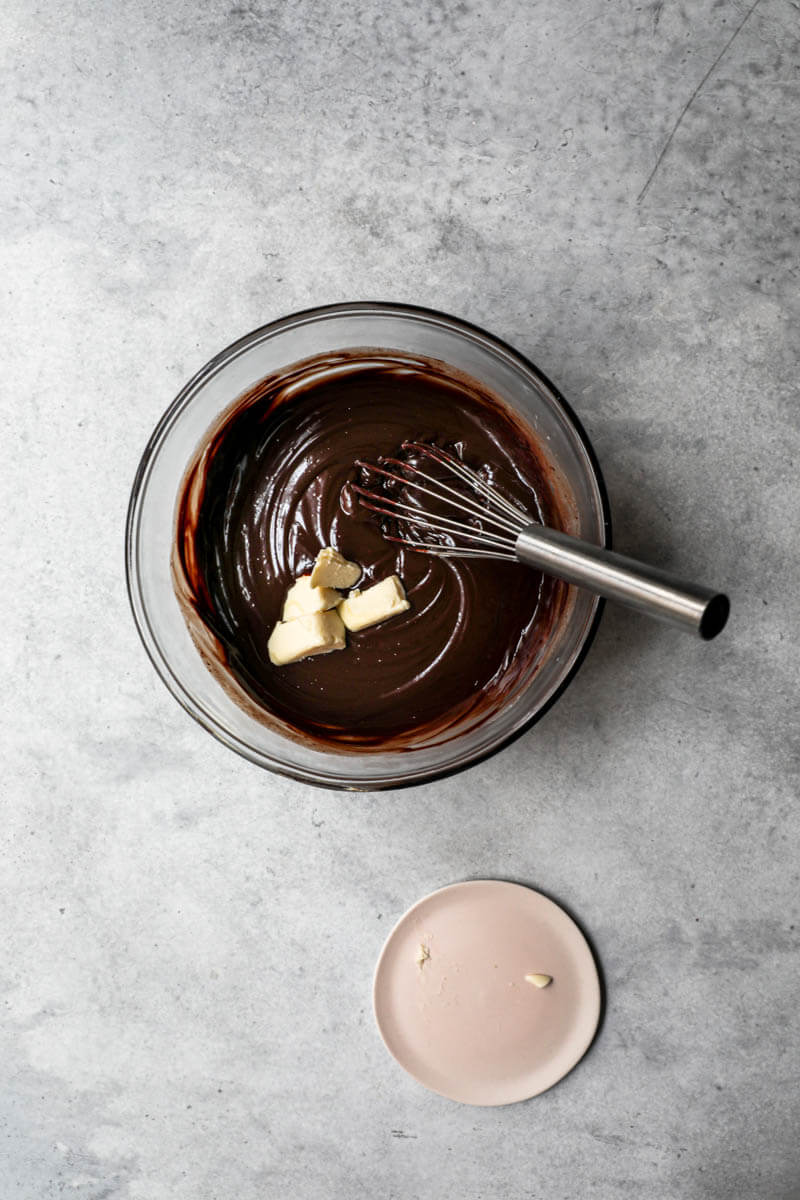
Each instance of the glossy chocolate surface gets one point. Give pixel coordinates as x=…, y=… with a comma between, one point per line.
x=268, y=488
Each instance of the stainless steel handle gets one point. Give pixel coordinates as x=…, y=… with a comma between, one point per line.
x=657, y=593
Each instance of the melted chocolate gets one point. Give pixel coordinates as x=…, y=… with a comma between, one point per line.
x=267, y=490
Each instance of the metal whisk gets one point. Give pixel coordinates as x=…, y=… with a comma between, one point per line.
x=486, y=525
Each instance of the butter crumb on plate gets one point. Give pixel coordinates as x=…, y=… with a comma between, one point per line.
x=539, y=981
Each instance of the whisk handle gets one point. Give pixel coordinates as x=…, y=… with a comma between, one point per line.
x=657, y=593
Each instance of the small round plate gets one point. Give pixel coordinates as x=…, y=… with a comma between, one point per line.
x=454, y=1007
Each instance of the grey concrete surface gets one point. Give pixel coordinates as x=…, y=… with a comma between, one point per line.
x=188, y=942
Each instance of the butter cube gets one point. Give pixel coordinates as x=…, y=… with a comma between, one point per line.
x=332, y=570
x=314, y=633
x=302, y=599
x=385, y=599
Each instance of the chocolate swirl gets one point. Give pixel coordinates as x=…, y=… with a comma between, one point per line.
x=267, y=490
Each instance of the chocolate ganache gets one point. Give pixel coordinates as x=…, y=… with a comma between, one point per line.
x=268, y=488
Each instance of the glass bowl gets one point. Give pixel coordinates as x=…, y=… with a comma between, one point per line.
x=150, y=528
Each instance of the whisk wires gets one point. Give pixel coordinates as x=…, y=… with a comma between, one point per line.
x=493, y=523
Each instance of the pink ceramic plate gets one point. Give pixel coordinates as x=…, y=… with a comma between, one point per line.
x=464, y=1021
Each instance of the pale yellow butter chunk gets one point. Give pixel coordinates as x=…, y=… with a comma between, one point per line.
x=303, y=598
x=378, y=603
x=315, y=633
x=539, y=981
x=332, y=570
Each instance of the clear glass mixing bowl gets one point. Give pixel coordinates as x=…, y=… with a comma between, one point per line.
x=151, y=515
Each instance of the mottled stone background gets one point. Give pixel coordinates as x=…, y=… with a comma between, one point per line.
x=187, y=942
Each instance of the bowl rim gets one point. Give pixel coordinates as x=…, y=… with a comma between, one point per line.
x=162, y=667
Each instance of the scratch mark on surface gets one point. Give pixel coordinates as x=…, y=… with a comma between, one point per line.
x=585, y=25
x=610, y=1139
x=401, y=1133
x=694, y=96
